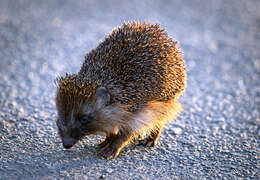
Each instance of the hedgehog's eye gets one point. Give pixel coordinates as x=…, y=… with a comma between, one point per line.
x=85, y=119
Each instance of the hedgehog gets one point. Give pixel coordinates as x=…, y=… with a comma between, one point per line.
x=127, y=87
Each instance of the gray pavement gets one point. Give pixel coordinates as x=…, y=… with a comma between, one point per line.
x=216, y=136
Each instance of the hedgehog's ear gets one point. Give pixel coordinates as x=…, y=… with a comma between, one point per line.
x=103, y=97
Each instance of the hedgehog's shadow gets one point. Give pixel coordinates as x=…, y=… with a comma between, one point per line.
x=88, y=148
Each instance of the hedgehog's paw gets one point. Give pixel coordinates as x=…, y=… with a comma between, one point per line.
x=118, y=142
x=106, y=142
x=109, y=152
x=148, y=142
x=151, y=140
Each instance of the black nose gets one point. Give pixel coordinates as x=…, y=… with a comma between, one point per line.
x=68, y=142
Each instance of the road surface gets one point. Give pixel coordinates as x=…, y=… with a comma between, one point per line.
x=215, y=137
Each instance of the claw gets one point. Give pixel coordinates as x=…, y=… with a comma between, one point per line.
x=102, y=144
x=106, y=142
x=109, y=152
x=150, y=141
x=147, y=143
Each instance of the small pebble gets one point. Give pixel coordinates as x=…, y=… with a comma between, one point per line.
x=177, y=130
x=102, y=176
x=109, y=170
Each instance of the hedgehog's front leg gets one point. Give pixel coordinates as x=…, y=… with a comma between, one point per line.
x=112, y=149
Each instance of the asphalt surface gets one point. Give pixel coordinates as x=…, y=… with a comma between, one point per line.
x=215, y=137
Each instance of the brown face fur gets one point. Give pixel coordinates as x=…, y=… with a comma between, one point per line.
x=79, y=116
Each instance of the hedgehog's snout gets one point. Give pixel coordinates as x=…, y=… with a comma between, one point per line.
x=68, y=142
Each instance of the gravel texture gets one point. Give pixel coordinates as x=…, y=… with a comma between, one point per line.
x=217, y=135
